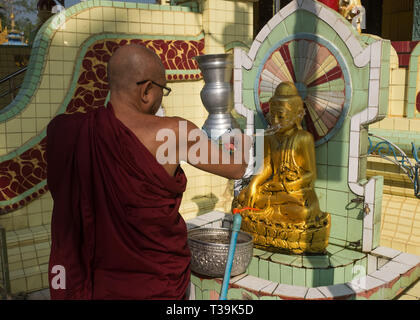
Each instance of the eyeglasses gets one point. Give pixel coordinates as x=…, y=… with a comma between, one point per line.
x=166, y=90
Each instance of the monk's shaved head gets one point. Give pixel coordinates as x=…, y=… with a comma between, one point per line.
x=130, y=64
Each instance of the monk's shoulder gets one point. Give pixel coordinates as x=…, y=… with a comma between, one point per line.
x=171, y=123
x=66, y=121
x=177, y=123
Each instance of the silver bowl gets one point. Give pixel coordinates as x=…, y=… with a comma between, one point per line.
x=209, y=249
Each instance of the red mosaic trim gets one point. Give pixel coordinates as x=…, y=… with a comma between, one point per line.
x=404, y=50
x=92, y=89
x=21, y=174
x=333, y=4
x=27, y=170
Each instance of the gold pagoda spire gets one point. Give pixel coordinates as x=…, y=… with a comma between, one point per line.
x=12, y=21
x=3, y=34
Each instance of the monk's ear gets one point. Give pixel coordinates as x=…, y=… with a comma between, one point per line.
x=145, y=90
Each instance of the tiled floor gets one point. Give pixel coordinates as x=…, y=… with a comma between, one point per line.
x=39, y=295
x=400, y=228
x=413, y=293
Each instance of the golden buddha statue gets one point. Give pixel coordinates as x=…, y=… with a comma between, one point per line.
x=279, y=207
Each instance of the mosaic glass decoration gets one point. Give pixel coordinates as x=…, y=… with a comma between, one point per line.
x=319, y=77
x=23, y=177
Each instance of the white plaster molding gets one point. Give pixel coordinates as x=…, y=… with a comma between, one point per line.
x=237, y=58
x=275, y=20
x=363, y=58
x=360, y=55
x=247, y=62
x=291, y=291
x=353, y=44
x=354, y=144
x=262, y=35
x=376, y=54
x=342, y=29
x=353, y=170
x=269, y=289
x=191, y=291
x=356, y=188
x=328, y=15
x=254, y=50
x=373, y=95
x=311, y=6
x=289, y=9
x=368, y=218
x=253, y=283
x=372, y=264
x=367, y=239
x=370, y=192
x=337, y=290
x=386, y=252
x=237, y=92
x=375, y=72
x=314, y=294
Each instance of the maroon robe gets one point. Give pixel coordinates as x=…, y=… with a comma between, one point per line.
x=115, y=227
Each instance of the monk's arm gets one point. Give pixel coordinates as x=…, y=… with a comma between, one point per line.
x=207, y=155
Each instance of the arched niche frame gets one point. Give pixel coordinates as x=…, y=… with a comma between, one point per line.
x=355, y=68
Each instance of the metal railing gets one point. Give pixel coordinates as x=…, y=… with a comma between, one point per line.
x=387, y=150
x=12, y=88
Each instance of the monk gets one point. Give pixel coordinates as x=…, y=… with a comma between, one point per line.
x=116, y=230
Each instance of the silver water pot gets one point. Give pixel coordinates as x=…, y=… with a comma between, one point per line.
x=217, y=93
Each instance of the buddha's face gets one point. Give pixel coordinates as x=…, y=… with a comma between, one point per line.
x=282, y=115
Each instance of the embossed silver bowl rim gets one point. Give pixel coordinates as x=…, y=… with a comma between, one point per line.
x=244, y=239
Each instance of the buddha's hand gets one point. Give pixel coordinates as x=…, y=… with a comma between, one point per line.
x=292, y=175
x=272, y=186
x=252, y=195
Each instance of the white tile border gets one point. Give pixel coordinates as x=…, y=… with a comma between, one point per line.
x=386, y=275
x=368, y=115
x=253, y=283
x=367, y=239
x=191, y=291
x=365, y=283
x=270, y=288
x=252, y=53
x=397, y=267
x=361, y=55
x=408, y=259
x=363, y=58
x=290, y=291
x=311, y=6
x=314, y=294
x=336, y=291
x=372, y=264
x=262, y=35
x=386, y=252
